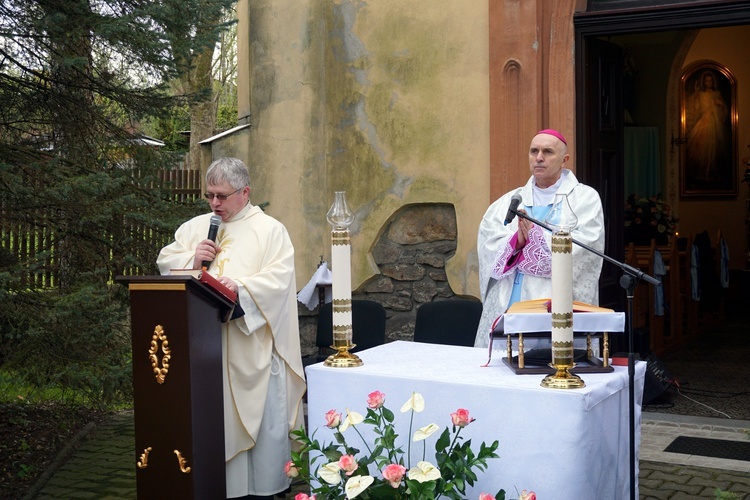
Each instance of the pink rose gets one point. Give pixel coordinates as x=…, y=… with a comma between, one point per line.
x=303, y=496
x=461, y=418
x=290, y=469
x=348, y=464
x=527, y=495
x=333, y=419
x=375, y=400
x=394, y=473
x=486, y=496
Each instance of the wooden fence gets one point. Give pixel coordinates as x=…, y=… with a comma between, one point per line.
x=23, y=240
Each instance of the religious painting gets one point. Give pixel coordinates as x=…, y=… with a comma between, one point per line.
x=708, y=136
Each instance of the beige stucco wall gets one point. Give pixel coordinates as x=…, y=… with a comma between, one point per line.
x=385, y=100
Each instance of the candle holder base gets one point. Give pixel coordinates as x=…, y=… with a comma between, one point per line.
x=343, y=358
x=562, y=378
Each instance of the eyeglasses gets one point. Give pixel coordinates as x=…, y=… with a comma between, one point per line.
x=220, y=197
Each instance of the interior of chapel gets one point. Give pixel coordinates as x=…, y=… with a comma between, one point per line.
x=662, y=211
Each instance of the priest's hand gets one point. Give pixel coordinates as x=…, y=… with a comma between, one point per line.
x=205, y=252
x=524, y=226
x=229, y=283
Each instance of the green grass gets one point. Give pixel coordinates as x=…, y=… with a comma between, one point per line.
x=13, y=389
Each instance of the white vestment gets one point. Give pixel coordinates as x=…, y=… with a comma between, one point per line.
x=263, y=375
x=498, y=265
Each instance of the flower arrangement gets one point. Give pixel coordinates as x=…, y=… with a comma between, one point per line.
x=385, y=471
x=647, y=219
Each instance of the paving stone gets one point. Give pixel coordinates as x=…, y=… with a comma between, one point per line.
x=735, y=478
x=657, y=494
x=675, y=478
x=677, y=487
x=708, y=482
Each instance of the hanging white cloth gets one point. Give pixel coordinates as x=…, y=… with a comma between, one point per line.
x=307, y=295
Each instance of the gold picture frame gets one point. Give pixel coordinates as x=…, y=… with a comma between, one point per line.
x=708, y=131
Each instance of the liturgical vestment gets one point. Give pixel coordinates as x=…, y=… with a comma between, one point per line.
x=499, y=263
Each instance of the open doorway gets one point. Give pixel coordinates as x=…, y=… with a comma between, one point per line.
x=651, y=47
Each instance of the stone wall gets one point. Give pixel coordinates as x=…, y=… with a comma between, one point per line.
x=410, y=254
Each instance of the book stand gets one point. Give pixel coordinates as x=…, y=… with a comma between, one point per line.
x=592, y=364
x=538, y=324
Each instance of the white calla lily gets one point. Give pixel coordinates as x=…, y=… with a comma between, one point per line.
x=330, y=473
x=415, y=402
x=352, y=418
x=425, y=432
x=357, y=484
x=424, y=471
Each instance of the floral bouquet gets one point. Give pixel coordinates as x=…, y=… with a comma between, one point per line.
x=647, y=219
x=382, y=472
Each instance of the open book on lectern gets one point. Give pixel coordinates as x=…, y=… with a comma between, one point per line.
x=545, y=306
x=207, y=279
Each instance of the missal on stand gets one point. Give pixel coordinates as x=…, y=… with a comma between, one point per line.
x=545, y=306
x=210, y=281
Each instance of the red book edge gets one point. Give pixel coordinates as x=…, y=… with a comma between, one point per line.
x=215, y=285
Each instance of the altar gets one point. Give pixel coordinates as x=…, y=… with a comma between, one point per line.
x=559, y=443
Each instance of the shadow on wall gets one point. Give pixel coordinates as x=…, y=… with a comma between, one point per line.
x=410, y=253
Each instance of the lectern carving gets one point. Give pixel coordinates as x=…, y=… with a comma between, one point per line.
x=177, y=386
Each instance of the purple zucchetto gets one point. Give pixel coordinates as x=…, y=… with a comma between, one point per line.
x=554, y=133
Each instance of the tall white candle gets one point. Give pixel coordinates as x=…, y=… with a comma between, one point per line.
x=341, y=287
x=562, y=298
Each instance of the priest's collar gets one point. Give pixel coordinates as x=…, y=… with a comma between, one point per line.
x=239, y=215
x=545, y=196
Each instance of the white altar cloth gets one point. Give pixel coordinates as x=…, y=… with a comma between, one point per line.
x=562, y=444
x=593, y=322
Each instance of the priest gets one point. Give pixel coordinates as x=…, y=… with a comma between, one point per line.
x=515, y=258
x=263, y=378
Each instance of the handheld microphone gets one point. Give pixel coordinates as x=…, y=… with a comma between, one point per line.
x=213, y=228
x=514, y=202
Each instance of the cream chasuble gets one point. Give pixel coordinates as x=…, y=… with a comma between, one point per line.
x=256, y=252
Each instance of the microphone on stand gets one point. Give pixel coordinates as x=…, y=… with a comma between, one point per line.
x=213, y=228
x=515, y=200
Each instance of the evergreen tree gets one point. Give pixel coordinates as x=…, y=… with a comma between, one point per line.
x=83, y=201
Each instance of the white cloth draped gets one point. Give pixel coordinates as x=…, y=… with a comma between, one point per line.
x=535, y=427
x=307, y=295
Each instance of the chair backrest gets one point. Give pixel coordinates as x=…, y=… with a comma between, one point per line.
x=449, y=322
x=368, y=325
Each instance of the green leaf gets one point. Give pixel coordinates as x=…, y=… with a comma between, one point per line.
x=388, y=415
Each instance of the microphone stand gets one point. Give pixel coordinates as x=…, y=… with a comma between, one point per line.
x=628, y=281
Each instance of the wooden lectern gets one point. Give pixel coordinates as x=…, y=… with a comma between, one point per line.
x=177, y=386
